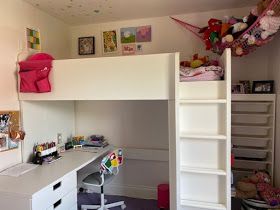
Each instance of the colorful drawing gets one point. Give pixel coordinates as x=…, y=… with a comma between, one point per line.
x=128, y=49
x=33, y=39
x=110, y=44
x=144, y=34
x=112, y=161
x=128, y=35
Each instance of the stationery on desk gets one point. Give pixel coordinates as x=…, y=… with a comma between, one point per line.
x=19, y=169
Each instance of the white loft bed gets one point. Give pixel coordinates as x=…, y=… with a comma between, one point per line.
x=198, y=116
x=145, y=77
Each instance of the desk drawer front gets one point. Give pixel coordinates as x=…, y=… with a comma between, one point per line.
x=53, y=193
x=65, y=203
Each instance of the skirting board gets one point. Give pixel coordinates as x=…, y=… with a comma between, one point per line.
x=142, y=192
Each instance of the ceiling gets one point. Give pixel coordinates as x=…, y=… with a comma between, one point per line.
x=77, y=12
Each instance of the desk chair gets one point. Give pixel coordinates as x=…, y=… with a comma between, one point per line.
x=108, y=169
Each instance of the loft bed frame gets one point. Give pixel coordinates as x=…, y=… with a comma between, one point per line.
x=199, y=116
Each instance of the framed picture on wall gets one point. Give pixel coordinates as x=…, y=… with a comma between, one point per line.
x=33, y=37
x=4, y=144
x=87, y=45
x=263, y=86
x=109, y=41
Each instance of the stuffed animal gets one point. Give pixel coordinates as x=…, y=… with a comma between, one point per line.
x=269, y=24
x=259, y=184
x=211, y=32
x=195, y=62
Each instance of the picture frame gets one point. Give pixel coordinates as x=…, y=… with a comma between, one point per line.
x=144, y=33
x=4, y=141
x=246, y=86
x=33, y=39
x=128, y=49
x=237, y=88
x=128, y=35
x=110, y=41
x=86, y=45
x=263, y=87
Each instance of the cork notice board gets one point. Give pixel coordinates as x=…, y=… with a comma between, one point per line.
x=8, y=119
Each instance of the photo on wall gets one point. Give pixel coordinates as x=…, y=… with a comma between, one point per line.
x=86, y=45
x=4, y=144
x=144, y=34
x=110, y=43
x=33, y=39
x=128, y=35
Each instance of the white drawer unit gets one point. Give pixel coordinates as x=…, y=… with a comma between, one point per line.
x=50, y=195
x=69, y=201
x=253, y=125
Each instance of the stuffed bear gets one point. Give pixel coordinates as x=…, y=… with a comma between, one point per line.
x=269, y=24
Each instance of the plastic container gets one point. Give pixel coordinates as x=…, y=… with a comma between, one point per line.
x=163, y=196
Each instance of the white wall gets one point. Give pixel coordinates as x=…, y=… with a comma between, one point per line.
x=168, y=36
x=274, y=74
x=44, y=120
x=129, y=124
x=15, y=16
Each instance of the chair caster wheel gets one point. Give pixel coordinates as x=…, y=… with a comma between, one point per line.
x=123, y=206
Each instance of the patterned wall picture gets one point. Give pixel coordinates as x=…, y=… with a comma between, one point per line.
x=110, y=43
x=144, y=34
x=86, y=45
x=33, y=39
x=128, y=35
x=128, y=49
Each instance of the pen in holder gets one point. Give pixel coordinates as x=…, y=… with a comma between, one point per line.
x=16, y=133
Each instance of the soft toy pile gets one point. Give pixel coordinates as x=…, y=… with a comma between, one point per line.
x=258, y=186
x=200, y=68
x=255, y=30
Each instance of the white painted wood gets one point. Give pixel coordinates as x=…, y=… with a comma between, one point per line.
x=218, y=101
x=203, y=205
x=66, y=184
x=203, y=170
x=207, y=90
x=203, y=187
x=253, y=124
x=202, y=136
x=203, y=121
x=34, y=181
x=66, y=202
x=145, y=77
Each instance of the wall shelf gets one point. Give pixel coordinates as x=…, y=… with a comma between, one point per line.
x=203, y=136
x=203, y=170
x=203, y=205
x=217, y=101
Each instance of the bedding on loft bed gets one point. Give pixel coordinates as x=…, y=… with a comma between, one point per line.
x=204, y=73
x=200, y=69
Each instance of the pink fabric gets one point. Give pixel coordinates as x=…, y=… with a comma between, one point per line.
x=204, y=73
x=34, y=74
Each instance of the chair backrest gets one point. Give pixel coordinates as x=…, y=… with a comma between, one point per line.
x=111, y=162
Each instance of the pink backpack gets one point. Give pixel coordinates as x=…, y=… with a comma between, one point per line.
x=34, y=73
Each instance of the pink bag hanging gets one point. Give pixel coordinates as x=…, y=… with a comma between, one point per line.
x=34, y=73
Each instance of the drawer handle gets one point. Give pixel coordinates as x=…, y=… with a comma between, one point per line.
x=57, y=204
x=56, y=186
